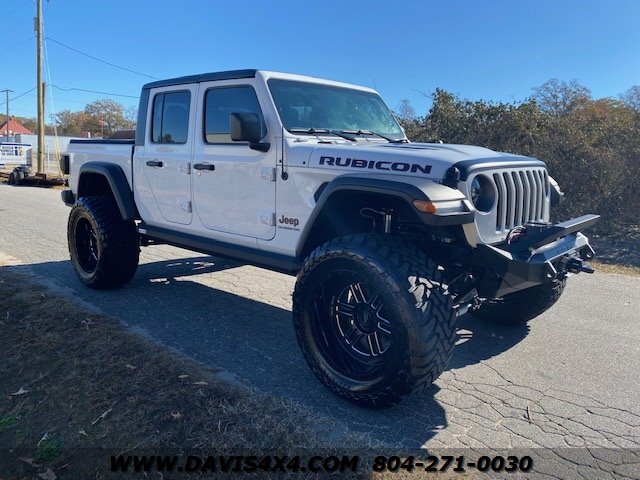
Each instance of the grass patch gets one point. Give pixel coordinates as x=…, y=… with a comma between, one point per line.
x=618, y=269
x=7, y=421
x=72, y=382
x=48, y=449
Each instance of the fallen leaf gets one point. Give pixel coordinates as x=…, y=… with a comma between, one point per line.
x=82, y=432
x=130, y=367
x=176, y=416
x=48, y=475
x=201, y=382
x=183, y=376
x=22, y=391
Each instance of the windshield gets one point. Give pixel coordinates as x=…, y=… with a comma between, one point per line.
x=311, y=106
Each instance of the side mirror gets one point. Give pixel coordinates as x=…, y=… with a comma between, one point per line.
x=247, y=127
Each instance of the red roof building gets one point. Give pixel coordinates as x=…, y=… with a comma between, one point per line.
x=14, y=128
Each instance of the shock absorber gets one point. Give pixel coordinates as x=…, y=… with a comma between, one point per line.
x=388, y=218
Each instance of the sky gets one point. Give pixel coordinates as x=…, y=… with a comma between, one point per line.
x=493, y=49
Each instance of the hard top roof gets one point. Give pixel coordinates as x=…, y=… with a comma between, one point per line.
x=203, y=77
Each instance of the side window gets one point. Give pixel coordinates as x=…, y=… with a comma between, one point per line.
x=170, y=123
x=220, y=103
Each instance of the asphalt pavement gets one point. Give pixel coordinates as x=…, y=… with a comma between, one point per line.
x=568, y=379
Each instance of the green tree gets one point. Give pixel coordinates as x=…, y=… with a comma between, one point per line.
x=71, y=123
x=100, y=118
x=107, y=116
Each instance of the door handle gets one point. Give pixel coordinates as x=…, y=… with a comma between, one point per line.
x=154, y=163
x=205, y=166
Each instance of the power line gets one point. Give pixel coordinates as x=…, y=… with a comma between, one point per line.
x=21, y=95
x=67, y=90
x=102, y=61
x=94, y=91
x=17, y=45
x=17, y=8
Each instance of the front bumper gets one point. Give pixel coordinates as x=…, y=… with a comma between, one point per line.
x=543, y=253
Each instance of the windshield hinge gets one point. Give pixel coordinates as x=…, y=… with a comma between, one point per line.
x=268, y=218
x=268, y=173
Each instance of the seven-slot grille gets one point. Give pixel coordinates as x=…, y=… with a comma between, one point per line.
x=522, y=197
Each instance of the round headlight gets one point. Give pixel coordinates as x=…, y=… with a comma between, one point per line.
x=482, y=193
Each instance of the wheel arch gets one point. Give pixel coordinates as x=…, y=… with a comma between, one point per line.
x=100, y=178
x=338, y=205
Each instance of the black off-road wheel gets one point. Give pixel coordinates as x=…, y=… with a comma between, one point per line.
x=12, y=178
x=520, y=307
x=104, y=248
x=373, y=318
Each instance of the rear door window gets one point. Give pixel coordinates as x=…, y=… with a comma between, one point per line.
x=170, y=121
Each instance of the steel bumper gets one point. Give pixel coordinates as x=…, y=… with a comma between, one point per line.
x=543, y=253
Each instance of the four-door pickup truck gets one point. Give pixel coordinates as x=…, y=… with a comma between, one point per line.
x=391, y=240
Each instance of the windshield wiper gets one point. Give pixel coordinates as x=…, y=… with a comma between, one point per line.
x=317, y=131
x=375, y=134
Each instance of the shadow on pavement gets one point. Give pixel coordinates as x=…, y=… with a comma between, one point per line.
x=256, y=343
x=479, y=340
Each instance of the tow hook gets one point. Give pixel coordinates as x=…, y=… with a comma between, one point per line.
x=577, y=265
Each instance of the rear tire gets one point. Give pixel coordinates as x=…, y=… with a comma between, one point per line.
x=12, y=178
x=104, y=248
x=520, y=307
x=373, y=319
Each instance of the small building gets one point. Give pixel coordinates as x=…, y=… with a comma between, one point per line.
x=14, y=128
x=21, y=147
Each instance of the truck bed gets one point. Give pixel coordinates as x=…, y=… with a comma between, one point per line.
x=115, y=151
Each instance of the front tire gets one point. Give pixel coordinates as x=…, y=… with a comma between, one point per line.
x=520, y=307
x=104, y=248
x=373, y=319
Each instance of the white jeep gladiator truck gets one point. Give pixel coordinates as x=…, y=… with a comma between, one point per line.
x=391, y=240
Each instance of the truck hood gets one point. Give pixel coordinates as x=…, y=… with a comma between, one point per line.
x=427, y=160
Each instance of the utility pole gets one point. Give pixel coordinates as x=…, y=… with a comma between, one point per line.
x=40, y=88
x=7, y=91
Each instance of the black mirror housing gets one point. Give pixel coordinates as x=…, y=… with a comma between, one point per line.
x=247, y=127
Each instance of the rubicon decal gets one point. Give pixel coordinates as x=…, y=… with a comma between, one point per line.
x=375, y=165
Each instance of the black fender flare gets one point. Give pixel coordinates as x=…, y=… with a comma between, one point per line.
x=427, y=190
x=118, y=183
